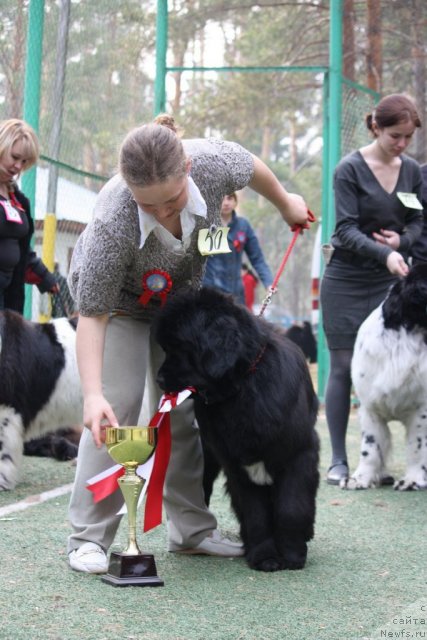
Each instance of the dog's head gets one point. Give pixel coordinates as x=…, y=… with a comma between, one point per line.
x=208, y=342
x=406, y=303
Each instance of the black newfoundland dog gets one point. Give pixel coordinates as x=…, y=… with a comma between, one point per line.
x=256, y=409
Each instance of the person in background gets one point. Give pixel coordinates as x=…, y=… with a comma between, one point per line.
x=62, y=301
x=19, y=150
x=148, y=239
x=378, y=218
x=419, y=248
x=250, y=283
x=223, y=271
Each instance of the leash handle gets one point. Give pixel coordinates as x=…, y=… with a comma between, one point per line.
x=306, y=225
x=297, y=229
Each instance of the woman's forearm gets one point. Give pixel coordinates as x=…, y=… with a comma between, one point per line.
x=90, y=341
x=291, y=206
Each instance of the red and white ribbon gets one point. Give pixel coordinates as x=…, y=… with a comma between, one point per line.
x=153, y=471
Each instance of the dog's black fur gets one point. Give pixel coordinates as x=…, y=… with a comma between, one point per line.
x=62, y=444
x=256, y=409
x=304, y=337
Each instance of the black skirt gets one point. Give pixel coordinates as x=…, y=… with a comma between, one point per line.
x=348, y=294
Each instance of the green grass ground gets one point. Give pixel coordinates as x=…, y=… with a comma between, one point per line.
x=365, y=577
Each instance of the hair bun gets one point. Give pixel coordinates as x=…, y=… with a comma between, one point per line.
x=369, y=121
x=166, y=121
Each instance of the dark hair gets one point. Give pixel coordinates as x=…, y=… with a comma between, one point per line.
x=393, y=110
x=152, y=153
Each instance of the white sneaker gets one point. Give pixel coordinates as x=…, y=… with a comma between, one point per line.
x=213, y=545
x=89, y=558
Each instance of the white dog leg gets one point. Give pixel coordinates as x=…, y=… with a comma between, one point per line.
x=374, y=451
x=416, y=454
x=11, y=447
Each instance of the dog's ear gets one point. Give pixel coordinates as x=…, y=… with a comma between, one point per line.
x=222, y=346
x=393, y=307
x=405, y=305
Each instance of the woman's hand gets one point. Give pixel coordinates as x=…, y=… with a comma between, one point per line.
x=296, y=211
x=389, y=238
x=396, y=264
x=98, y=414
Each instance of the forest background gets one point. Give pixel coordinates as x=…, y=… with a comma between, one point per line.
x=110, y=53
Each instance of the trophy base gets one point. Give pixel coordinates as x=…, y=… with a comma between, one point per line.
x=136, y=570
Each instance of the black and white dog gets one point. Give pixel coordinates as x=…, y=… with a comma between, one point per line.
x=389, y=372
x=39, y=388
x=256, y=409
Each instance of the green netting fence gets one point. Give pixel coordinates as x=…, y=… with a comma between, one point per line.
x=84, y=73
x=357, y=102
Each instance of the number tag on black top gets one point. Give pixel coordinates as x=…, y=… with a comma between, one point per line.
x=409, y=200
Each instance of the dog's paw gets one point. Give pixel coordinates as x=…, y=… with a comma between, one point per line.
x=360, y=481
x=268, y=564
x=9, y=475
x=63, y=450
x=6, y=483
x=294, y=557
x=353, y=483
x=410, y=484
x=263, y=556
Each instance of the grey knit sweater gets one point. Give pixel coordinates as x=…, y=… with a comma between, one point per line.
x=108, y=266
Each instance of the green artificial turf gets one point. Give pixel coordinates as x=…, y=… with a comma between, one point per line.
x=365, y=576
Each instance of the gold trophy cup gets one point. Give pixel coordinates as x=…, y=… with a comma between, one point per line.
x=131, y=446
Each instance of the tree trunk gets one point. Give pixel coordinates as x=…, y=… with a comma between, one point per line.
x=11, y=64
x=348, y=40
x=177, y=75
x=374, y=46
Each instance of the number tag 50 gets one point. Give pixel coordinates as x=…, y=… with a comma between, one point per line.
x=214, y=240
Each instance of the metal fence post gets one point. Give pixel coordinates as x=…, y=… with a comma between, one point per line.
x=161, y=51
x=31, y=110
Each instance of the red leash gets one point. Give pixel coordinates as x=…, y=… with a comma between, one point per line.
x=297, y=229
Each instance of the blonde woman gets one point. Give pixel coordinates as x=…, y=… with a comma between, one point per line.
x=19, y=150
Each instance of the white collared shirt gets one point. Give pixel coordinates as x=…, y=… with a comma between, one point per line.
x=195, y=206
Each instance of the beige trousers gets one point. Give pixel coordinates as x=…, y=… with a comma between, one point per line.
x=130, y=357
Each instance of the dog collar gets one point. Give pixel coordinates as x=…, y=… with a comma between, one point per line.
x=254, y=364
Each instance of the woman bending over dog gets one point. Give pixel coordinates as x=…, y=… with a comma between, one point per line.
x=140, y=247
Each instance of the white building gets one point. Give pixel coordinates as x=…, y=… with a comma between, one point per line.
x=74, y=207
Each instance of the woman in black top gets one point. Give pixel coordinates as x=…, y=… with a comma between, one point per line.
x=378, y=218
x=19, y=150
